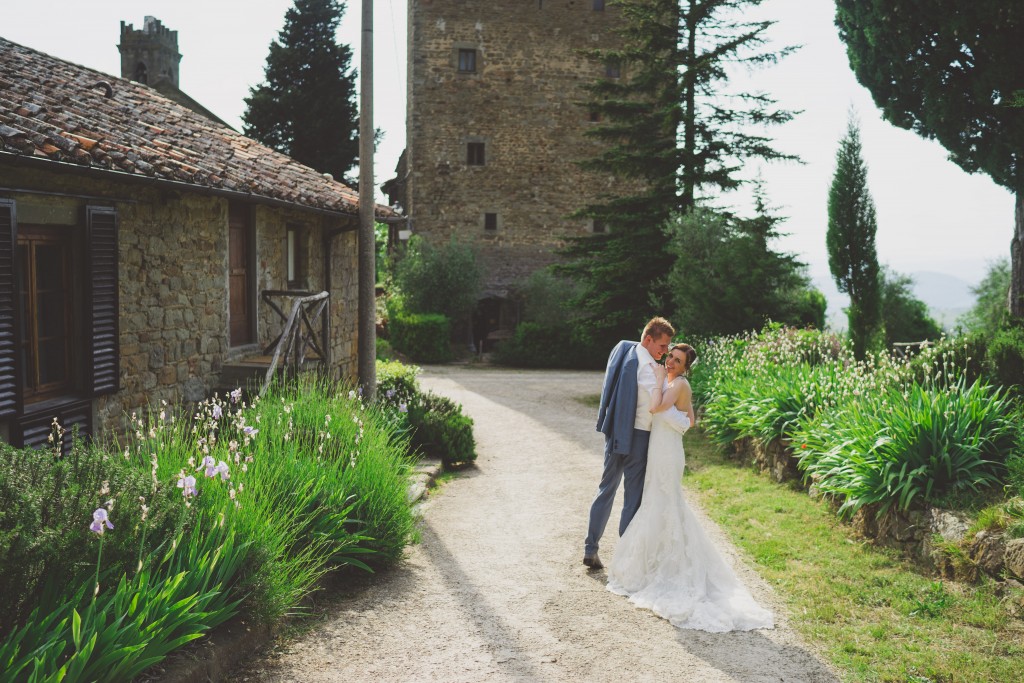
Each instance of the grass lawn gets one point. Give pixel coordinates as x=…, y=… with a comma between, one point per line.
x=874, y=615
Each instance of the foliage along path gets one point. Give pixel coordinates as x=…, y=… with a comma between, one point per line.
x=496, y=591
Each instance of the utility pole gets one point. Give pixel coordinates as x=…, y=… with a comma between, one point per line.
x=367, y=241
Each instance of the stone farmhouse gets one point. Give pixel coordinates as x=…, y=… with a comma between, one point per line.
x=495, y=128
x=146, y=249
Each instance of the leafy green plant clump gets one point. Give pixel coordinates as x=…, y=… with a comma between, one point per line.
x=440, y=430
x=194, y=517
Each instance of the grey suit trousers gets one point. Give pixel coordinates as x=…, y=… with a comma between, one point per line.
x=632, y=467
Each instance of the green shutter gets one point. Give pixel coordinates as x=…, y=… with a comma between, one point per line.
x=103, y=357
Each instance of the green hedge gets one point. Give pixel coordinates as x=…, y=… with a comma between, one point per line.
x=421, y=337
x=535, y=345
x=440, y=430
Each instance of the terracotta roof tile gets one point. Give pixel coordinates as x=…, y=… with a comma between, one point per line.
x=59, y=111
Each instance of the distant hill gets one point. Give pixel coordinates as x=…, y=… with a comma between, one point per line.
x=947, y=297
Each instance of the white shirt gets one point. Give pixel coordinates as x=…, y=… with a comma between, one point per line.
x=646, y=383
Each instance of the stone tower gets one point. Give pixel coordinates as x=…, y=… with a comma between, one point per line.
x=495, y=127
x=150, y=55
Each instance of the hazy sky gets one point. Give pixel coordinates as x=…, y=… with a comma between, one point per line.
x=931, y=215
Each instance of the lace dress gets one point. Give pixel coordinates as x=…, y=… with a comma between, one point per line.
x=665, y=561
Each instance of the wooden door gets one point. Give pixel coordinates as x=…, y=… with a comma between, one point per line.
x=239, y=275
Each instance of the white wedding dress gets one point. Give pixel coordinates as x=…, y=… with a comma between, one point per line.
x=665, y=561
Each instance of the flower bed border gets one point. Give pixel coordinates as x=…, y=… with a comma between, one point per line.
x=924, y=535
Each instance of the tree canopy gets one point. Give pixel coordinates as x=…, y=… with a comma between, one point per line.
x=307, y=108
x=904, y=316
x=949, y=70
x=727, y=278
x=989, y=310
x=667, y=136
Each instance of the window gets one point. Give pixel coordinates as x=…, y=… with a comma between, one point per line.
x=490, y=222
x=297, y=257
x=44, y=257
x=467, y=61
x=613, y=68
x=598, y=227
x=59, y=321
x=595, y=116
x=598, y=5
x=475, y=154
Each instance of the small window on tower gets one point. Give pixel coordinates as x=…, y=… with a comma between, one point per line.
x=597, y=226
x=613, y=68
x=598, y=5
x=490, y=222
x=467, y=61
x=475, y=154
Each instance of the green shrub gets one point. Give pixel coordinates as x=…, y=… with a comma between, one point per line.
x=305, y=480
x=1005, y=357
x=909, y=445
x=539, y=346
x=396, y=381
x=440, y=430
x=422, y=337
x=1015, y=472
x=951, y=358
x=46, y=504
x=384, y=350
x=438, y=279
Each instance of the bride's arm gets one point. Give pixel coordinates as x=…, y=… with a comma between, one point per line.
x=661, y=400
x=685, y=401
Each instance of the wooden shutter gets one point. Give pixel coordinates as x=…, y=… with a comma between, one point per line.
x=103, y=357
x=10, y=339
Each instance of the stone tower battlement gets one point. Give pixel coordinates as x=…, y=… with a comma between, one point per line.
x=149, y=55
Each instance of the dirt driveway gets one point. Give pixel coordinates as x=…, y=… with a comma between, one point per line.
x=496, y=590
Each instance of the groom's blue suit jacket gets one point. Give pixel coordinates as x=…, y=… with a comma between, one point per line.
x=617, y=412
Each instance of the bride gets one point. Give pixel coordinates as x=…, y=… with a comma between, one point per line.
x=665, y=561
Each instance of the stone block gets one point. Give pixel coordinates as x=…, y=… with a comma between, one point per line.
x=952, y=526
x=988, y=552
x=1013, y=557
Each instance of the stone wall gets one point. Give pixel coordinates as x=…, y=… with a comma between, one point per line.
x=174, y=283
x=937, y=539
x=524, y=103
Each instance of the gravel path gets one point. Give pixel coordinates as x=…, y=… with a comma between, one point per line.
x=496, y=591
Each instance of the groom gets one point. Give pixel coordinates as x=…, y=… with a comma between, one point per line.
x=625, y=420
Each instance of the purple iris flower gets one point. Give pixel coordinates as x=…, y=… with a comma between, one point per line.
x=210, y=464
x=188, y=484
x=100, y=521
x=222, y=470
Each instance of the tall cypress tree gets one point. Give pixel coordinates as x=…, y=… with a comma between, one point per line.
x=307, y=108
x=850, y=239
x=667, y=136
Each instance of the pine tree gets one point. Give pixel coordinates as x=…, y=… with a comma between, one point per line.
x=667, y=136
x=727, y=278
x=850, y=239
x=306, y=108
